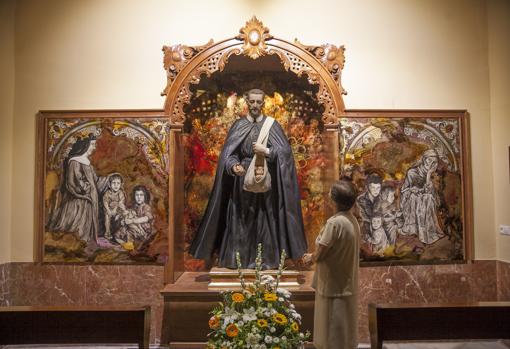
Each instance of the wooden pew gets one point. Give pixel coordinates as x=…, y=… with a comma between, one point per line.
x=75, y=325
x=404, y=322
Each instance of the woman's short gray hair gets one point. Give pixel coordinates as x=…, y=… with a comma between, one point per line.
x=344, y=194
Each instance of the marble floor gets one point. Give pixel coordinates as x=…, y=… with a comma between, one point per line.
x=74, y=347
x=449, y=345
x=421, y=345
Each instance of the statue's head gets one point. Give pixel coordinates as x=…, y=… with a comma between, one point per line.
x=255, y=100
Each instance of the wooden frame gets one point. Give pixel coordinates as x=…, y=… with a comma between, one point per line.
x=133, y=150
x=186, y=65
x=322, y=65
x=457, y=125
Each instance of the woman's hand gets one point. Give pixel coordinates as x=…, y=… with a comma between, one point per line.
x=307, y=259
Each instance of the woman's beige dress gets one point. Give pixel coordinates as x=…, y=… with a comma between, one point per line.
x=336, y=284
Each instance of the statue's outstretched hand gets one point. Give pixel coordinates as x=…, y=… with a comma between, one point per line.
x=238, y=169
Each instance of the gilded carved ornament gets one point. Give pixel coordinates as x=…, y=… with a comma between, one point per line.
x=254, y=35
x=176, y=57
x=331, y=56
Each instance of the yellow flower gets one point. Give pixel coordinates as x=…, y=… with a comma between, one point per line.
x=232, y=330
x=276, y=347
x=262, y=322
x=237, y=297
x=270, y=297
x=294, y=326
x=280, y=318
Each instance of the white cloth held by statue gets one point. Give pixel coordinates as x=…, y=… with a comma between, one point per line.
x=259, y=183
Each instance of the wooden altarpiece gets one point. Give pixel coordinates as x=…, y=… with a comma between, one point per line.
x=187, y=298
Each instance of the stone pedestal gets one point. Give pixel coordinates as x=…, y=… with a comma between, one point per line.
x=223, y=278
x=189, y=300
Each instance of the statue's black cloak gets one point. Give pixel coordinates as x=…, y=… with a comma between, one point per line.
x=237, y=220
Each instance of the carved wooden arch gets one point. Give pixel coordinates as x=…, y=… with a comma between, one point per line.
x=322, y=65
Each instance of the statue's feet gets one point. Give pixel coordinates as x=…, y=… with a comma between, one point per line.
x=264, y=266
x=251, y=266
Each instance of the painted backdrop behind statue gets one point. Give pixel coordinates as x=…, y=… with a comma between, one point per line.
x=211, y=114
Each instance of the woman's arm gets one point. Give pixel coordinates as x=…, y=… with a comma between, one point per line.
x=316, y=256
x=328, y=235
x=319, y=253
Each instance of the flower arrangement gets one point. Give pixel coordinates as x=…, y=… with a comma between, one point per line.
x=259, y=316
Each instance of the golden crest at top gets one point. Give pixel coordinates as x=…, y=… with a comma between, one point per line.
x=254, y=35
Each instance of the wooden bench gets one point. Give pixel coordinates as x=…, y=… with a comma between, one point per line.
x=75, y=325
x=405, y=322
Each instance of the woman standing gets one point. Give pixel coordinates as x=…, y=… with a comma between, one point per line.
x=336, y=274
x=78, y=211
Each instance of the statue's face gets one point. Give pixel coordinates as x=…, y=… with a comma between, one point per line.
x=255, y=103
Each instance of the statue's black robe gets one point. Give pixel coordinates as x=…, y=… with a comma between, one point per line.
x=237, y=220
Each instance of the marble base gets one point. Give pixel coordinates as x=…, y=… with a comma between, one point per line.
x=451, y=283
x=5, y=299
x=503, y=276
x=137, y=285
x=223, y=278
x=33, y=284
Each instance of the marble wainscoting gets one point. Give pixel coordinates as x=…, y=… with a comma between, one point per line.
x=33, y=284
x=137, y=285
x=4, y=285
x=452, y=283
x=503, y=271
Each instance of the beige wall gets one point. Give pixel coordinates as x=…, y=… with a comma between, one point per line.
x=107, y=54
x=499, y=60
x=7, y=9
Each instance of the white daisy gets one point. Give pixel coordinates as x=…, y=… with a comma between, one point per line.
x=249, y=314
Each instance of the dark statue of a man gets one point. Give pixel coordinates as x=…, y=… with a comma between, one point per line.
x=238, y=220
